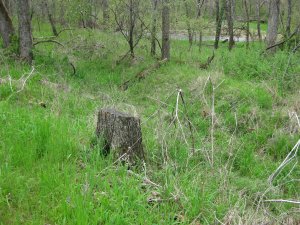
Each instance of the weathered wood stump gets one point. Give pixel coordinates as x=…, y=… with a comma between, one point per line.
x=121, y=134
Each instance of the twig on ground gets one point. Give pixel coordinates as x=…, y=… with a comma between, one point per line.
x=213, y=114
x=283, y=201
x=176, y=118
x=142, y=74
x=189, y=123
x=10, y=83
x=25, y=80
x=48, y=41
x=73, y=67
x=285, y=40
x=292, y=154
x=208, y=62
x=145, y=179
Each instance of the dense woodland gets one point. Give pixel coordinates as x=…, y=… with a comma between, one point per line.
x=149, y=112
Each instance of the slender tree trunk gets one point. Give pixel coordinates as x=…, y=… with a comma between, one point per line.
x=62, y=13
x=7, y=6
x=166, y=30
x=188, y=24
x=248, y=21
x=89, y=16
x=219, y=19
x=199, y=6
x=6, y=26
x=273, y=23
x=230, y=23
x=50, y=17
x=233, y=9
x=211, y=7
x=105, y=6
x=131, y=27
x=200, y=40
x=25, y=34
x=153, y=27
x=258, y=20
x=289, y=19
x=43, y=12
x=218, y=24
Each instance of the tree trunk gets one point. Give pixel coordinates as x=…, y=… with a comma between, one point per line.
x=121, y=134
x=62, y=19
x=248, y=21
x=233, y=9
x=211, y=7
x=25, y=34
x=200, y=40
x=52, y=23
x=105, y=6
x=273, y=23
x=166, y=30
x=289, y=19
x=153, y=27
x=230, y=23
x=219, y=19
x=258, y=20
x=188, y=24
x=198, y=8
x=131, y=27
x=6, y=26
x=7, y=4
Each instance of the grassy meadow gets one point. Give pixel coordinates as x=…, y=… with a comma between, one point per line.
x=51, y=167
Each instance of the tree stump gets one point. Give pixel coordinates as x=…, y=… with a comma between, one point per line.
x=121, y=134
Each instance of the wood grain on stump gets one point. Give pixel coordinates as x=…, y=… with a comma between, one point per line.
x=121, y=134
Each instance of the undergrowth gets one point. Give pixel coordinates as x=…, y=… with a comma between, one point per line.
x=52, y=173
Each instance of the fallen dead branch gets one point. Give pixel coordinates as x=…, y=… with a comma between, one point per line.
x=176, y=118
x=289, y=158
x=208, y=62
x=142, y=74
x=283, y=201
x=66, y=29
x=189, y=122
x=283, y=41
x=292, y=154
x=24, y=79
x=19, y=84
x=145, y=179
x=294, y=114
x=49, y=37
x=55, y=86
x=48, y=41
x=73, y=68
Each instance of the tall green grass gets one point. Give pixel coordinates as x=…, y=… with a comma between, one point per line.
x=51, y=173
